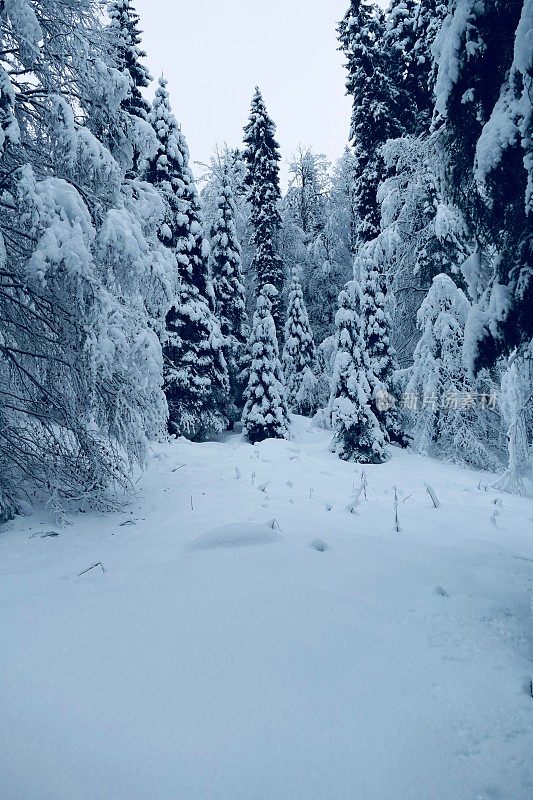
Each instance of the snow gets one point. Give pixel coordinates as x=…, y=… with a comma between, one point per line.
x=236, y=535
x=447, y=53
x=377, y=665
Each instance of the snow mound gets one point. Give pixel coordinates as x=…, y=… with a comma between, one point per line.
x=238, y=534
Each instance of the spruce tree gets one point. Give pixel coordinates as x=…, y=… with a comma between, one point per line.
x=410, y=27
x=265, y=414
x=129, y=140
x=299, y=355
x=129, y=55
x=196, y=380
x=381, y=109
x=358, y=435
x=228, y=285
x=447, y=423
x=382, y=364
x=483, y=111
x=429, y=16
x=261, y=155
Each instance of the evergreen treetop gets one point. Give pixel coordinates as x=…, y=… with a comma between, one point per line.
x=129, y=54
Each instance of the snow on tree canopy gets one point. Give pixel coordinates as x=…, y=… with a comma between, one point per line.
x=196, y=378
x=444, y=422
x=299, y=355
x=265, y=414
x=228, y=286
x=261, y=155
x=358, y=435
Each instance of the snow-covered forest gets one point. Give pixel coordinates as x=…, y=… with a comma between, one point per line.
x=167, y=327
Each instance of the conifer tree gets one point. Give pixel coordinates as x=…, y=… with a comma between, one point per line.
x=229, y=292
x=483, y=111
x=129, y=55
x=410, y=27
x=516, y=398
x=196, y=380
x=261, y=155
x=358, y=435
x=446, y=421
x=429, y=16
x=265, y=413
x=376, y=332
x=130, y=139
x=381, y=107
x=299, y=355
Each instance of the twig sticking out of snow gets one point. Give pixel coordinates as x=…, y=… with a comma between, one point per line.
x=396, y=518
x=431, y=491
x=237, y=473
x=274, y=524
x=192, y=504
x=364, y=482
x=353, y=505
x=93, y=566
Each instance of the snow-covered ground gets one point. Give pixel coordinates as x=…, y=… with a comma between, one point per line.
x=323, y=656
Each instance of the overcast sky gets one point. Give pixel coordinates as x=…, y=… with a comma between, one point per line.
x=214, y=52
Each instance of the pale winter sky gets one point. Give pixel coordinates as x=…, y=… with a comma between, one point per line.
x=214, y=52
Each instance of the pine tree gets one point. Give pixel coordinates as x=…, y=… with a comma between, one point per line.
x=229, y=291
x=127, y=40
x=410, y=28
x=381, y=107
x=429, y=16
x=299, y=355
x=265, y=414
x=483, y=111
x=358, y=435
x=447, y=423
x=376, y=329
x=261, y=156
x=130, y=139
x=516, y=405
x=196, y=381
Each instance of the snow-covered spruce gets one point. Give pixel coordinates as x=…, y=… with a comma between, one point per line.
x=126, y=38
x=299, y=355
x=230, y=161
x=382, y=109
x=196, y=379
x=261, y=155
x=358, y=435
x=265, y=414
x=228, y=286
x=130, y=139
x=484, y=107
x=447, y=419
x=516, y=404
x=375, y=332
